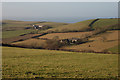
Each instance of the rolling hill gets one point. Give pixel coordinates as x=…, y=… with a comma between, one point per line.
x=98, y=43
x=39, y=63
x=68, y=31
x=75, y=27
x=13, y=28
x=87, y=26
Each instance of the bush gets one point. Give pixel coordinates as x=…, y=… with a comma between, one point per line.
x=52, y=44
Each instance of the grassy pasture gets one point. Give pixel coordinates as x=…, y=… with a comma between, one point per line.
x=20, y=25
x=66, y=35
x=84, y=26
x=31, y=63
x=9, y=34
x=102, y=23
x=52, y=24
x=16, y=25
x=12, y=28
x=18, y=38
x=79, y=26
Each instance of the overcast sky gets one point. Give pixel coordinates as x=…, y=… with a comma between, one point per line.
x=58, y=10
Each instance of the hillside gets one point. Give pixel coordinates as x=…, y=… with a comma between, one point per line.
x=13, y=28
x=9, y=25
x=96, y=29
x=66, y=35
x=74, y=27
x=87, y=26
x=106, y=23
x=98, y=43
x=62, y=51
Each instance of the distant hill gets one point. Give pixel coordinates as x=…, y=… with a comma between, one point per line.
x=106, y=23
x=74, y=27
x=15, y=33
x=87, y=25
x=13, y=28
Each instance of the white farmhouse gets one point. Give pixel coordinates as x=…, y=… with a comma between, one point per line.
x=40, y=26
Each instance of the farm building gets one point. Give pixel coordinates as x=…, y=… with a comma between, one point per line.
x=41, y=26
x=38, y=26
x=70, y=41
x=74, y=41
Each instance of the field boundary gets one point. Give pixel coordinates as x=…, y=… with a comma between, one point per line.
x=93, y=22
x=20, y=38
x=70, y=50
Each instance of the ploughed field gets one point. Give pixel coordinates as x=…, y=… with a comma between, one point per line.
x=32, y=63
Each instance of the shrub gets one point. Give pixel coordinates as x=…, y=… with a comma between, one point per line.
x=52, y=44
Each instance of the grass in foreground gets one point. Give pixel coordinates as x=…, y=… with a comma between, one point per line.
x=31, y=63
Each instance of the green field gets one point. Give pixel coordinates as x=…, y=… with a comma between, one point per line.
x=79, y=26
x=16, y=25
x=84, y=26
x=31, y=63
x=52, y=24
x=106, y=23
x=42, y=63
x=12, y=28
x=9, y=34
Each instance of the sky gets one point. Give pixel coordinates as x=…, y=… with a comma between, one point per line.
x=60, y=0
x=58, y=11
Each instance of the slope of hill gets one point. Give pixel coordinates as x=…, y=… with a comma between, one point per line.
x=103, y=23
x=52, y=24
x=10, y=25
x=68, y=35
x=67, y=31
x=16, y=33
x=99, y=43
x=87, y=25
x=75, y=27
x=31, y=43
x=12, y=28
